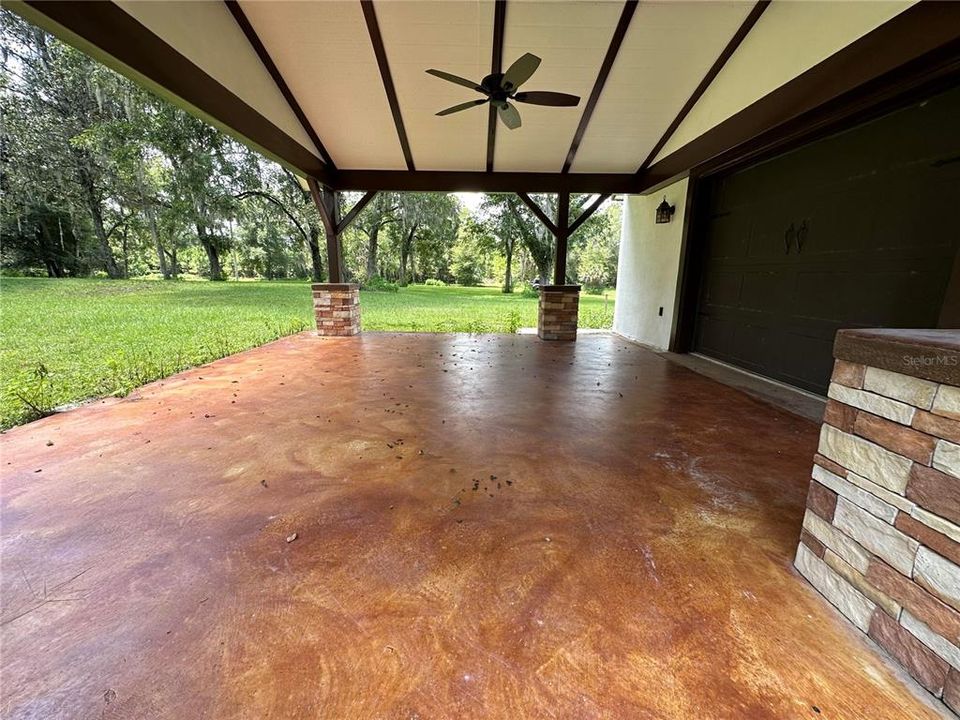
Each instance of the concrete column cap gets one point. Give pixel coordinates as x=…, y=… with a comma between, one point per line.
x=334, y=286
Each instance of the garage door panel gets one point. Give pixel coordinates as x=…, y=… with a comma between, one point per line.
x=764, y=289
x=876, y=209
x=723, y=289
x=731, y=235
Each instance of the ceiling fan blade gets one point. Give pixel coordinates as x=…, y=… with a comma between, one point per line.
x=509, y=115
x=456, y=79
x=554, y=99
x=463, y=106
x=520, y=72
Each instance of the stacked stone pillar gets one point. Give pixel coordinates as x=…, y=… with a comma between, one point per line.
x=558, y=312
x=336, y=307
x=881, y=533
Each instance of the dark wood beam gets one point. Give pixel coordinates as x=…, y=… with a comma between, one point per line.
x=588, y=211
x=911, y=56
x=496, y=66
x=116, y=38
x=455, y=181
x=234, y=7
x=355, y=210
x=745, y=27
x=373, y=28
x=563, y=228
x=538, y=211
x=329, y=208
x=629, y=7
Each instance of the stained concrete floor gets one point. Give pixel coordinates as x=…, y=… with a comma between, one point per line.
x=486, y=527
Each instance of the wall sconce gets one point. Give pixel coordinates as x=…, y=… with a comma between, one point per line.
x=665, y=211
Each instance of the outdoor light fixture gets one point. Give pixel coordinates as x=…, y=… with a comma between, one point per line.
x=665, y=211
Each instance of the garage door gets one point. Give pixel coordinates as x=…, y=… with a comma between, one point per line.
x=857, y=230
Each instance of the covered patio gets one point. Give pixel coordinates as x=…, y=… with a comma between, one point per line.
x=432, y=526
x=485, y=526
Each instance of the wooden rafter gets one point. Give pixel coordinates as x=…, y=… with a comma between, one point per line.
x=745, y=27
x=496, y=66
x=629, y=7
x=541, y=215
x=479, y=181
x=117, y=39
x=354, y=211
x=373, y=28
x=234, y=7
x=587, y=212
x=909, y=57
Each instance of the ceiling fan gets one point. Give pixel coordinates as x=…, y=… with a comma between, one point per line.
x=501, y=88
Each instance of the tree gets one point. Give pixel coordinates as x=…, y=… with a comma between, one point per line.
x=426, y=222
x=381, y=211
x=470, y=258
x=500, y=226
x=54, y=164
x=208, y=172
x=593, y=258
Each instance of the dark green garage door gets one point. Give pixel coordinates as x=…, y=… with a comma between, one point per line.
x=857, y=230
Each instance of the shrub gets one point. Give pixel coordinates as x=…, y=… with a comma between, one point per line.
x=529, y=292
x=378, y=284
x=435, y=282
x=513, y=321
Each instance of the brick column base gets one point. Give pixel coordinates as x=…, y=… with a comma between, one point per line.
x=882, y=525
x=336, y=307
x=557, y=315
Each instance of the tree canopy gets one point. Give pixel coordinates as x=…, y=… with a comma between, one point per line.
x=100, y=177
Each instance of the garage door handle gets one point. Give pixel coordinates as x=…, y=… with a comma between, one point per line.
x=788, y=237
x=802, y=236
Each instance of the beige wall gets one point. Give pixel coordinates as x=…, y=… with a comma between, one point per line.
x=649, y=267
x=788, y=39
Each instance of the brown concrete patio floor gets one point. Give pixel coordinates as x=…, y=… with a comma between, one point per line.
x=487, y=526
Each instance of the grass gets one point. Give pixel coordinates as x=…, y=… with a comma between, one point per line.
x=64, y=341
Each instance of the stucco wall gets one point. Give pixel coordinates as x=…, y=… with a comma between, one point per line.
x=649, y=267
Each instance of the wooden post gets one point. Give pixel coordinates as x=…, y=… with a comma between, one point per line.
x=563, y=232
x=329, y=208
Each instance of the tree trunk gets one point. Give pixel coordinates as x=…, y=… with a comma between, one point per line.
x=315, y=258
x=405, y=246
x=372, y=252
x=106, y=254
x=126, y=256
x=96, y=214
x=155, y=236
x=213, y=254
x=508, y=275
x=174, y=265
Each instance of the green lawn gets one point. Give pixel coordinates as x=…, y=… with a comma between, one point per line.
x=67, y=340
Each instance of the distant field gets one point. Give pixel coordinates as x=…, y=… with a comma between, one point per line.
x=68, y=340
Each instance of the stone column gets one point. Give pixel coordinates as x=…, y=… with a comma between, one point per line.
x=336, y=307
x=557, y=313
x=881, y=533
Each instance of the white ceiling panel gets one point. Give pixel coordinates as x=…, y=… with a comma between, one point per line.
x=572, y=40
x=666, y=52
x=324, y=53
x=456, y=37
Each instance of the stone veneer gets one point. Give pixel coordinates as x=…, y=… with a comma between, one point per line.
x=881, y=533
x=558, y=312
x=336, y=307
